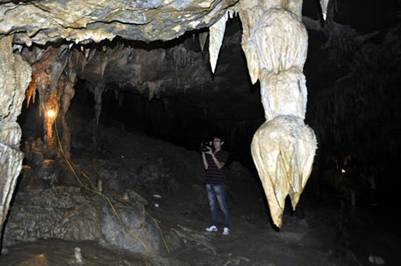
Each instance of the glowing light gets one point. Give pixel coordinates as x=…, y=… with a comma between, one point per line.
x=51, y=113
x=343, y=171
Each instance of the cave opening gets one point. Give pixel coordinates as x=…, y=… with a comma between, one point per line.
x=111, y=132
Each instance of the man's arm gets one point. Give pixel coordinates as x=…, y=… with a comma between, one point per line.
x=217, y=162
x=204, y=161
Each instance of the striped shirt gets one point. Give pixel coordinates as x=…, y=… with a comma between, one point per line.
x=214, y=175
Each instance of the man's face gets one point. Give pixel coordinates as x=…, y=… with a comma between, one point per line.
x=217, y=143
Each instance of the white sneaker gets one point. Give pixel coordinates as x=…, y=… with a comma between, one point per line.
x=211, y=228
x=226, y=231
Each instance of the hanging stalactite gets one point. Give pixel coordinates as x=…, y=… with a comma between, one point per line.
x=275, y=44
x=67, y=84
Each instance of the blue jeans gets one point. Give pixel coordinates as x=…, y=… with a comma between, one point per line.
x=216, y=193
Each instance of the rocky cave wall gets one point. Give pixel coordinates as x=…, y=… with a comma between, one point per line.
x=14, y=78
x=353, y=114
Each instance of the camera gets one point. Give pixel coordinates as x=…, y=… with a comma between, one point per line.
x=205, y=147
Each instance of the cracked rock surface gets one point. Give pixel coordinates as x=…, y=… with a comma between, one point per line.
x=80, y=21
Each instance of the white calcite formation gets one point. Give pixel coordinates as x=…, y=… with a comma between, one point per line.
x=275, y=44
x=323, y=5
x=216, y=39
x=15, y=75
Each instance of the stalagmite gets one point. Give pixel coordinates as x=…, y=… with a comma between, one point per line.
x=15, y=75
x=275, y=44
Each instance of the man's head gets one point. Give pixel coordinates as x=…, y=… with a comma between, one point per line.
x=217, y=143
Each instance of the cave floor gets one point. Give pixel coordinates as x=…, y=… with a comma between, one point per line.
x=318, y=235
x=252, y=241
x=310, y=241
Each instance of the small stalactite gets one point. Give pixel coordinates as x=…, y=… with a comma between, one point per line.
x=97, y=94
x=67, y=84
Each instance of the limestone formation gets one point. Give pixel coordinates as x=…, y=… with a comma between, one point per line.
x=324, y=4
x=71, y=214
x=216, y=39
x=283, y=150
x=45, y=79
x=86, y=21
x=14, y=78
x=68, y=92
x=275, y=44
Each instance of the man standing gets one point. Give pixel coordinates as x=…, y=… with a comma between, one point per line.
x=214, y=161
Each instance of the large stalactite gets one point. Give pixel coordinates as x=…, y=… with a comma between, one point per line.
x=275, y=44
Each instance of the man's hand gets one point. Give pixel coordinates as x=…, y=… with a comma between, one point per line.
x=209, y=151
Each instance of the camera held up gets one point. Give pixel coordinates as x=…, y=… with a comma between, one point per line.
x=206, y=146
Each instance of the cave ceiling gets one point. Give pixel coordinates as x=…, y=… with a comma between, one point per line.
x=123, y=45
x=93, y=20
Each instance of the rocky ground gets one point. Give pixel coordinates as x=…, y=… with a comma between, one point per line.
x=138, y=173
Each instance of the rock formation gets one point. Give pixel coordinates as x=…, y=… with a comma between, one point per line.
x=72, y=214
x=14, y=78
x=275, y=44
x=41, y=22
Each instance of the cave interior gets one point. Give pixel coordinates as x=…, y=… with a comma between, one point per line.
x=106, y=165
